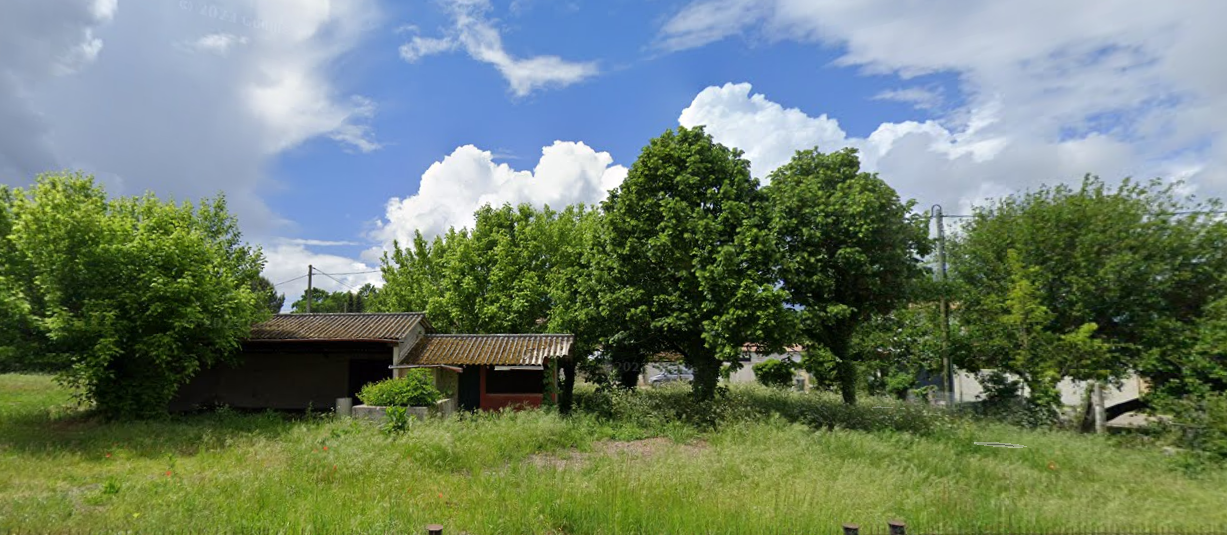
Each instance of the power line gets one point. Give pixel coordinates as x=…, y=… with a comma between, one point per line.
x=338, y=281
x=356, y=272
x=291, y=280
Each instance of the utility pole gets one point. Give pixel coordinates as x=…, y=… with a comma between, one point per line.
x=936, y=213
x=310, y=269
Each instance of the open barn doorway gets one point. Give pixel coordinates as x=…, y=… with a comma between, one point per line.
x=363, y=371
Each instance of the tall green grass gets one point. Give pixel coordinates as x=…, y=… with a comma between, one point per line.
x=771, y=462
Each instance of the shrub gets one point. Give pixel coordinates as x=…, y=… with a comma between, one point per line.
x=416, y=389
x=1199, y=423
x=397, y=422
x=660, y=410
x=1005, y=401
x=777, y=373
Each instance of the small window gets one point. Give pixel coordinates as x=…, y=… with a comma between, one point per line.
x=515, y=381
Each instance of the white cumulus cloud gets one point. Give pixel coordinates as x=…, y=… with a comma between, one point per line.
x=1096, y=86
x=127, y=95
x=468, y=178
x=925, y=161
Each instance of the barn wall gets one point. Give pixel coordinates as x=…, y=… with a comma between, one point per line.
x=271, y=380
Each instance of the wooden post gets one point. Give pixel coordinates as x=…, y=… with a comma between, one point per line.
x=852, y=529
x=1101, y=417
x=434, y=529
x=896, y=527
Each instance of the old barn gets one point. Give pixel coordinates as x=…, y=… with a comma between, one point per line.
x=300, y=361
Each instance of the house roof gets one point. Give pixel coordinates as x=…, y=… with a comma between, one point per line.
x=338, y=327
x=490, y=349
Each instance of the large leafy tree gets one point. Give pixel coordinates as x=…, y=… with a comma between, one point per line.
x=849, y=249
x=685, y=257
x=1127, y=270
x=264, y=288
x=129, y=297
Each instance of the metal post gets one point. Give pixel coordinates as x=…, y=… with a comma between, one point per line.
x=852, y=529
x=896, y=527
x=947, y=366
x=1101, y=416
x=434, y=529
x=310, y=269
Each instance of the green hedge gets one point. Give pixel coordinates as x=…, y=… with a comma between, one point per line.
x=417, y=389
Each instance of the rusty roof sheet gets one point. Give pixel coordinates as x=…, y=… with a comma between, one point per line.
x=353, y=326
x=490, y=349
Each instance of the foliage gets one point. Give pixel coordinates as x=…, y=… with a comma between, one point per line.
x=684, y=260
x=1013, y=333
x=502, y=276
x=777, y=373
x=1199, y=423
x=1099, y=282
x=1004, y=400
x=415, y=389
x=264, y=287
x=657, y=410
x=126, y=298
x=397, y=420
x=898, y=348
x=848, y=247
x=323, y=301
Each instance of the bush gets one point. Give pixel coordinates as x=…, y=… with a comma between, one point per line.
x=417, y=389
x=1005, y=401
x=776, y=373
x=661, y=410
x=1199, y=424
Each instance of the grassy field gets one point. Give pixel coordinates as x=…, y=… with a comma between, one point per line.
x=595, y=472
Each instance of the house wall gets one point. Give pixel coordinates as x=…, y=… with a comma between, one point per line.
x=447, y=381
x=291, y=380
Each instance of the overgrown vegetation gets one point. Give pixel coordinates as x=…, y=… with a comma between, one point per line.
x=415, y=389
x=597, y=472
x=124, y=298
x=775, y=372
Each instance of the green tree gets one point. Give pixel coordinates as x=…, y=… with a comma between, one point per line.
x=129, y=297
x=264, y=287
x=325, y=302
x=899, y=348
x=1128, y=270
x=685, y=260
x=850, y=247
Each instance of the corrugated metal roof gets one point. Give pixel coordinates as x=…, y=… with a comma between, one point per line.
x=354, y=326
x=490, y=349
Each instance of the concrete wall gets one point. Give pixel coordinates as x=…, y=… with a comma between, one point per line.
x=967, y=387
x=744, y=375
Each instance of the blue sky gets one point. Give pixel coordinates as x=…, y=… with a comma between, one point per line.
x=335, y=127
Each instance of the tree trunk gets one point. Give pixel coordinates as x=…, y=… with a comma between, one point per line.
x=566, y=397
x=845, y=370
x=628, y=373
x=706, y=375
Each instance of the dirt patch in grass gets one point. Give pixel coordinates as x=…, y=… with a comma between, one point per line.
x=645, y=448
